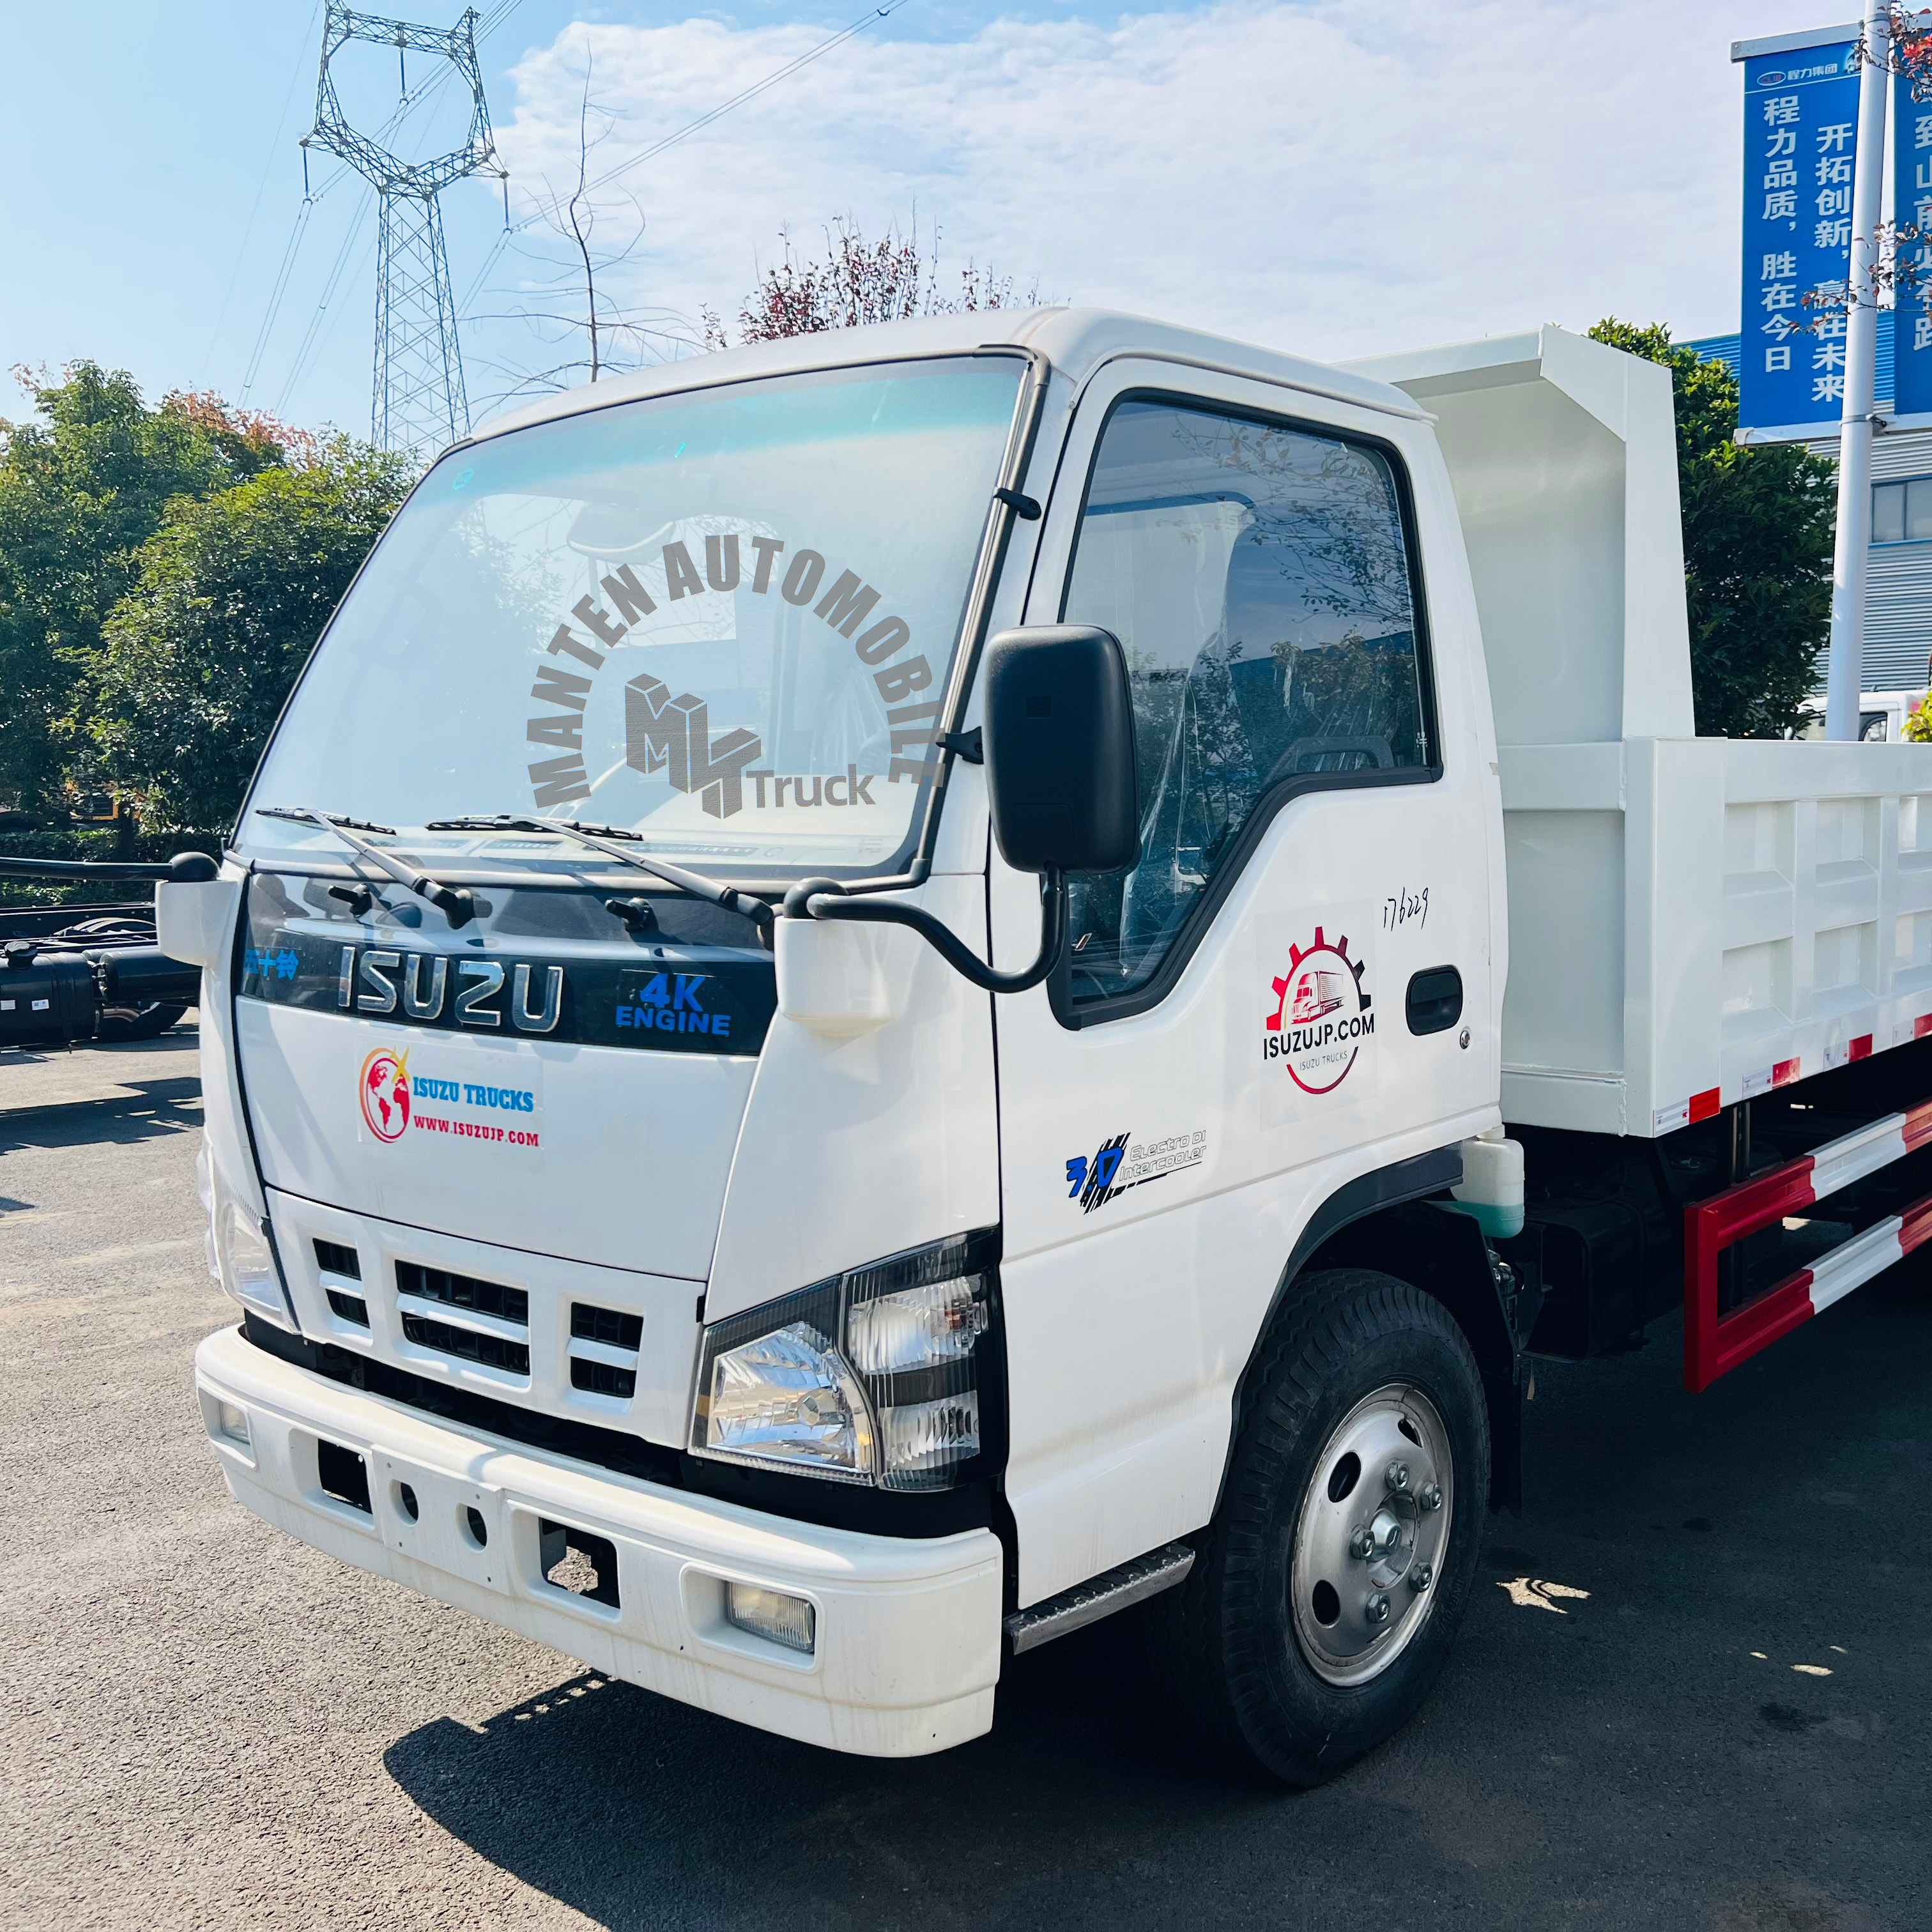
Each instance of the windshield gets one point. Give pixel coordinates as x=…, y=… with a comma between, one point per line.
x=723, y=620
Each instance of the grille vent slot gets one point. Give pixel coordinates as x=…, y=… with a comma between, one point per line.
x=469, y=1345
x=332, y=1257
x=602, y=1378
x=588, y=1323
x=608, y=1332
x=348, y=1307
x=462, y=1290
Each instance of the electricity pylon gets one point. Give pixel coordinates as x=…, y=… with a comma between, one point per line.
x=419, y=401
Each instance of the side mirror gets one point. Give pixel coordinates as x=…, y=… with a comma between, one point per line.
x=1059, y=747
x=1058, y=742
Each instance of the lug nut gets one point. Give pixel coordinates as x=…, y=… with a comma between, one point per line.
x=1431, y=1498
x=1362, y=1545
x=1378, y=1609
x=1397, y=1478
x=1420, y=1577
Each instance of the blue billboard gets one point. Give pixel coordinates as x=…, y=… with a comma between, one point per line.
x=1800, y=138
x=1911, y=208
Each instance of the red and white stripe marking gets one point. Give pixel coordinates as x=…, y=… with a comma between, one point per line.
x=1712, y=1345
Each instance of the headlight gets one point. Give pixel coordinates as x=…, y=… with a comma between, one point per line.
x=245, y=1262
x=872, y=1377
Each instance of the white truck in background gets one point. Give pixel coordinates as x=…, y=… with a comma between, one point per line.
x=884, y=993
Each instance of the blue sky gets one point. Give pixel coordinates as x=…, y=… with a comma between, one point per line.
x=1335, y=176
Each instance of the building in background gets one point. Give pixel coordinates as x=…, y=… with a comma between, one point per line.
x=1898, y=599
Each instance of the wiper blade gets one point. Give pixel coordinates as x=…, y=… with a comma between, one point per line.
x=336, y=821
x=605, y=838
x=458, y=903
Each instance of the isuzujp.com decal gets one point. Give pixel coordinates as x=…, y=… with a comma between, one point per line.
x=1322, y=1020
x=669, y=733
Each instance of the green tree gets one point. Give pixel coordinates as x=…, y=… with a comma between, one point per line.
x=1758, y=526
x=231, y=593
x=80, y=491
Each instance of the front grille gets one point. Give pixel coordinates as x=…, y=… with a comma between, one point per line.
x=602, y=1378
x=491, y=1352
x=348, y=1307
x=462, y=1290
x=588, y=1323
x=332, y=1257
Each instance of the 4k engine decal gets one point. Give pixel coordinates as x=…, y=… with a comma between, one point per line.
x=697, y=1001
x=1322, y=1020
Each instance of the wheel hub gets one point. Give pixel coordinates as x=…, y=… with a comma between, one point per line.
x=1376, y=1515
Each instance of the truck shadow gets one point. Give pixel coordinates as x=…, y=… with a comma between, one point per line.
x=166, y=1105
x=637, y=1811
x=1679, y=1558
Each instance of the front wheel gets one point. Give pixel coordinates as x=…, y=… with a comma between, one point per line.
x=1327, y=1591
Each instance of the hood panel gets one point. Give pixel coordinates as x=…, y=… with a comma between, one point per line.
x=593, y=1153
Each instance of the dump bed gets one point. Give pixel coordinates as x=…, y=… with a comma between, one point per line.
x=1692, y=921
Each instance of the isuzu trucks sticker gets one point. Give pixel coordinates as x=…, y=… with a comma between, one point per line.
x=443, y=1099
x=1322, y=1021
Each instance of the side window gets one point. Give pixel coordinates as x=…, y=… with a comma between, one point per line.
x=1257, y=577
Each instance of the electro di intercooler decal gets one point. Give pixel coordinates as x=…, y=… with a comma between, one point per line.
x=670, y=732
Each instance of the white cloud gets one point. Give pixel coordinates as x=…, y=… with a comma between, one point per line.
x=1336, y=178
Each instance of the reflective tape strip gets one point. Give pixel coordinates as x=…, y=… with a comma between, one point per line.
x=1853, y=1263
x=1839, y=1162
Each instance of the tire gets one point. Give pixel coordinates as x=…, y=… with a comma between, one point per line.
x=146, y=1022
x=1269, y=1649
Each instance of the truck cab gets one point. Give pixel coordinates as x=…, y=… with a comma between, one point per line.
x=857, y=1015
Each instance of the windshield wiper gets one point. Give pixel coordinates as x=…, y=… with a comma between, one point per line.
x=458, y=903
x=604, y=839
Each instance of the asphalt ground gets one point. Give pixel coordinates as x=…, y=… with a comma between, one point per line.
x=1694, y=1689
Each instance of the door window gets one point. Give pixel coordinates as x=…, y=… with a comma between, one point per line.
x=1258, y=578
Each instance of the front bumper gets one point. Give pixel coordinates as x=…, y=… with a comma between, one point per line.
x=908, y=1648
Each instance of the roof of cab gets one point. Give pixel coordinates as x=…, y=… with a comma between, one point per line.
x=1075, y=341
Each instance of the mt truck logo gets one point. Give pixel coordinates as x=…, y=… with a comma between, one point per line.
x=1322, y=1018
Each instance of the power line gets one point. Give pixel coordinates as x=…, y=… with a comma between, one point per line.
x=275, y=294
x=255, y=207
x=738, y=100
x=703, y=121
x=312, y=335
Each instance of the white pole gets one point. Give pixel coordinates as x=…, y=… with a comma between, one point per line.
x=1844, y=662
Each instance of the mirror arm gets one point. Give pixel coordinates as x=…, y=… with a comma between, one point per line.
x=826, y=898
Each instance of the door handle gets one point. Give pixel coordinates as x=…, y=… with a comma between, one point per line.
x=1435, y=1002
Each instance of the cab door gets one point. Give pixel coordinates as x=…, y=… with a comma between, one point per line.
x=1290, y=989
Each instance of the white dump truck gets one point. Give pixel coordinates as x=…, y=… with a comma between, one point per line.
x=885, y=993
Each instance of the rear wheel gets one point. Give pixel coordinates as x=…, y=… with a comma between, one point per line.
x=1327, y=1591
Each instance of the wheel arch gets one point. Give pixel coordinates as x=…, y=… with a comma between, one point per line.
x=1385, y=1220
